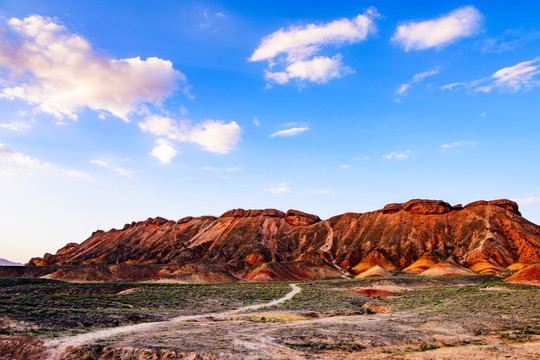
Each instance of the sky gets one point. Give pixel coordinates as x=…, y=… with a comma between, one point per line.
x=116, y=111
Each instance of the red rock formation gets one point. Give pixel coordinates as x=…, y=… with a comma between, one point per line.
x=528, y=276
x=481, y=232
x=375, y=271
x=425, y=262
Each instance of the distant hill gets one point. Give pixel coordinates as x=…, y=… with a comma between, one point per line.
x=4, y=262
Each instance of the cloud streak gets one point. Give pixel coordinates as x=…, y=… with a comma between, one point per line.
x=61, y=74
x=289, y=132
x=20, y=159
x=402, y=90
x=460, y=23
x=114, y=167
x=281, y=188
x=15, y=126
x=455, y=144
x=398, y=155
x=522, y=76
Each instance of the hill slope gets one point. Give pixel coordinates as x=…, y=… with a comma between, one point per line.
x=399, y=234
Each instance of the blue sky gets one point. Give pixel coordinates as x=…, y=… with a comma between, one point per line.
x=118, y=111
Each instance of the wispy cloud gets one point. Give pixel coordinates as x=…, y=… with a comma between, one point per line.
x=60, y=73
x=421, y=76
x=402, y=90
x=19, y=159
x=522, y=76
x=290, y=132
x=15, y=126
x=398, y=155
x=111, y=165
x=455, y=144
x=529, y=201
x=293, y=50
x=509, y=40
x=226, y=170
x=345, y=166
x=256, y=122
x=460, y=23
x=279, y=189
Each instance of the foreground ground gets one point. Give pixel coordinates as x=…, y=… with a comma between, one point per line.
x=407, y=317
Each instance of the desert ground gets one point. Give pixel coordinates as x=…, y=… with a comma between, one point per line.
x=400, y=317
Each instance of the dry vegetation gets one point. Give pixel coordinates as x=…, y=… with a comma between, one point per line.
x=454, y=317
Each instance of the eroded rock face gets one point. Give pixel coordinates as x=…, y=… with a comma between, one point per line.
x=480, y=233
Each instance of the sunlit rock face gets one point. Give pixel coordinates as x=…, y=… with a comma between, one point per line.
x=482, y=236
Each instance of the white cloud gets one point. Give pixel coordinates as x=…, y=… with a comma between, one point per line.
x=445, y=147
x=114, y=167
x=164, y=126
x=403, y=89
x=163, y=151
x=530, y=201
x=60, y=73
x=290, y=132
x=256, y=122
x=345, y=166
x=293, y=49
x=212, y=135
x=364, y=158
x=15, y=126
x=227, y=170
x=460, y=23
x=19, y=159
x=216, y=136
x=319, y=69
x=398, y=156
x=279, y=189
x=509, y=79
x=517, y=76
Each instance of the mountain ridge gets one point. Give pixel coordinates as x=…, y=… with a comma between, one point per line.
x=491, y=232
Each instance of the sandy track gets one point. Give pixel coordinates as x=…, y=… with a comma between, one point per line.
x=56, y=348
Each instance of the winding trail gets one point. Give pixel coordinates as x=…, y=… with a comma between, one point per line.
x=57, y=347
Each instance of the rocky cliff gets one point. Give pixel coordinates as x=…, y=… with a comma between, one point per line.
x=239, y=241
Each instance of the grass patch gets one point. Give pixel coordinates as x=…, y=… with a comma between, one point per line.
x=47, y=304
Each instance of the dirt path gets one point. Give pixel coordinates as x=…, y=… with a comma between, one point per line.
x=56, y=348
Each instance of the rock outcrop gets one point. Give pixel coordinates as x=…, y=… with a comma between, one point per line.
x=527, y=276
x=484, y=235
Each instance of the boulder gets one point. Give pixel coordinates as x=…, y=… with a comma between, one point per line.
x=509, y=205
x=273, y=213
x=392, y=208
x=427, y=207
x=299, y=218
